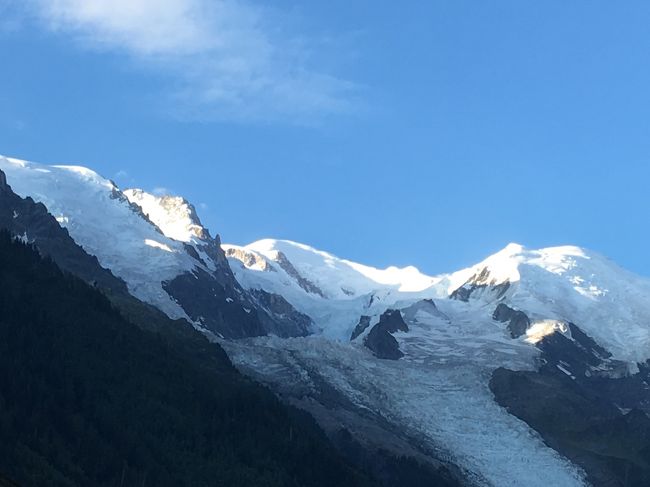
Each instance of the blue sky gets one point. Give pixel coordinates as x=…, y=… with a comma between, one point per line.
x=424, y=133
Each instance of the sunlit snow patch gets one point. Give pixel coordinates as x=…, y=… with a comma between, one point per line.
x=540, y=329
x=158, y=245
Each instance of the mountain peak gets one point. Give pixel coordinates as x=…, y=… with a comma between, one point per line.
x=174, y=215
x=505, y=265
x=512, y=248
x=81, y=172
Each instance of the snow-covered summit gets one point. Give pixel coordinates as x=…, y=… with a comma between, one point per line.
x=337, y=278
x=564, y=283
x=505, y=265
x=174, y=215
x=156, y=245
x=575, y=285
x=100, y=218
x=333, y=292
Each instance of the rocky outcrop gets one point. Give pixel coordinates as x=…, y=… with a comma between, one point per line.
x=481, y=284
x=280, y=317
x=518, y=321
x=585, y=406
x=194, y=254
x=169, y=213
x=578, y=356
x=171, y=203
x=364, y=323
x=380, y=339
x=249, y=259
x=218, y=303
x=211, y=246
x=612, y=447
x=216, y=307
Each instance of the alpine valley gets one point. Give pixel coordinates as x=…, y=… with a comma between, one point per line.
x=530, y=368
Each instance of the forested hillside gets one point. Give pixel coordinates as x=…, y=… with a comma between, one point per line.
x=87, y=398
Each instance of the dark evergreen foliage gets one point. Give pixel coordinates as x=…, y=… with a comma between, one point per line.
x=88, y=399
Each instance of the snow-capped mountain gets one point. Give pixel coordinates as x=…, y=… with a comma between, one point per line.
x=572, y=284
x=156, y=245
x=121, y=238
x=517, y=365
x=560, y=284
x=333, y=292
x=173, y=215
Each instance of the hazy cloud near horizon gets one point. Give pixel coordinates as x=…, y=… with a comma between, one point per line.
x=225, y=59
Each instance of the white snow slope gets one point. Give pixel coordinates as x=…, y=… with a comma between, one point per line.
x=100, y=218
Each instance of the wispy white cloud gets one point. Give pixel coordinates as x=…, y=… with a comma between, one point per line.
x=226, y=58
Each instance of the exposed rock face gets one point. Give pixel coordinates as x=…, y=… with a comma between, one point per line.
x=175, y=216
x=172, y=202
x=380, y=339
x=613, y=448
x=218, y=308
x=579, y=356
x=217, y=301
x=249, y=259
x=364, y=323
x=209, y=294
x=192, y=251
x=212, y=248
x=479, y=284
x=585, y=406
x=286, y=320
x=517, y=320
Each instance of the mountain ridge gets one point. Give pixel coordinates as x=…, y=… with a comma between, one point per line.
x=394, y=356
